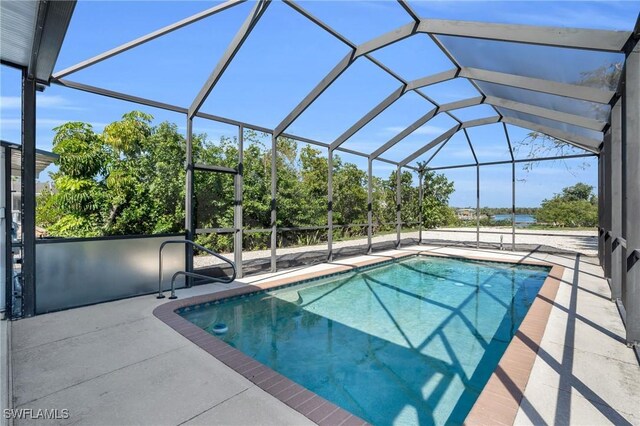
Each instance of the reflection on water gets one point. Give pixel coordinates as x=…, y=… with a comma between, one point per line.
x=411, y=342
x=521, y=219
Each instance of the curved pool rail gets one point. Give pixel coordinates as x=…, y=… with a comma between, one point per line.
x=226, y=280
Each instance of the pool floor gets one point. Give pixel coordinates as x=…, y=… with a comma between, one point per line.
x=413, y=341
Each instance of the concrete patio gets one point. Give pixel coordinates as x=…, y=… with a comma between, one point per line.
x=115, y=363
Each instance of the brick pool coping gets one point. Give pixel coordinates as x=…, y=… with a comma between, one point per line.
x=498, y=402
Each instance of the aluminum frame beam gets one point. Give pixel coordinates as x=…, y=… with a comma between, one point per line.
x=541, y=112
x=598, y=40
x=445, y=136
x=295, y=6
x=448, y=134
x=490, y=100
x=168, y=107
x=584, y=93
x=403, y=134
x=355, y=53
x=377, y=110
x=432, y=79
x=146, y=38
x=442, y=145
x=442, y=48
x=481, y=121
x=315, y=93
x=513, y=188
x=473, y=151
x=422, y=121
x=523, y=160
x=238, y=40
x=118, y=95
x=385, y=39
x=475, y=158
x=178, y=109
x=582, y=142
x=560, y=116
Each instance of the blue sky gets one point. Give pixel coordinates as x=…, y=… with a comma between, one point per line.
x=286, y=56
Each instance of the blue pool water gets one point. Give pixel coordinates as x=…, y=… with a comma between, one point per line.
x=409, y=342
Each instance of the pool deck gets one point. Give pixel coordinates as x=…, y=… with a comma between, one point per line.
x=116, y=363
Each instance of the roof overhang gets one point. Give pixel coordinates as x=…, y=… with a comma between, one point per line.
x=43, y=158
x=32, y=32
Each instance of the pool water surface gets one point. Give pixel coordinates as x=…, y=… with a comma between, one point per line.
x=411, y=341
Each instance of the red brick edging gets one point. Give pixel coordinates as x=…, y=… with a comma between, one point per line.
x=497, y=403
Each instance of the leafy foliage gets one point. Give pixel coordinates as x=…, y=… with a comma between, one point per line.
x=574, y=206
x=131, y=180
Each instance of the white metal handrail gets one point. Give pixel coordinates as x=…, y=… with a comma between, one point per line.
x=226, y=280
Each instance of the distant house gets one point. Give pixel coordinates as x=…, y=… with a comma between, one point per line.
x=43, y=160
x=466, y=214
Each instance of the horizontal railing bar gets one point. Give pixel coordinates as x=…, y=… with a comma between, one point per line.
x=215, y=230
x=303, y=228
x=257, y=231
x=211, y=168
x=507, y=231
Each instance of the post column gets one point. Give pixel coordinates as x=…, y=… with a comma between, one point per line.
x=606, y=211
x=330, y=206
x=631, y=192
x=615, y=154
x=237, y=211
x=513, y=205
x=274, y=189
x=398, y=206
x=477, y=206
x=369, y=205
x=420, y=201
x=189, y=224
x=28, y=195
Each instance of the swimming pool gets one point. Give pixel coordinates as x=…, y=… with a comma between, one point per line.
x=411, y=341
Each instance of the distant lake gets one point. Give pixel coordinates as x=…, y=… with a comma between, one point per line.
x=520, y=218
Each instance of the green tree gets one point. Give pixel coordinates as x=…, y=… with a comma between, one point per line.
x=574, y=206
x=579, y=191
x=349, y=193
x=122, y=181
x=131, y=180
x=435, y=207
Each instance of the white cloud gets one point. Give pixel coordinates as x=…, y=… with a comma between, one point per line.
x=56, y=101
x=49, y=123
x=43, y=101
x=10, y=102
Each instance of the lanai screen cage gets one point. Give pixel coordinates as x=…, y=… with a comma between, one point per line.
x=542, y=79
